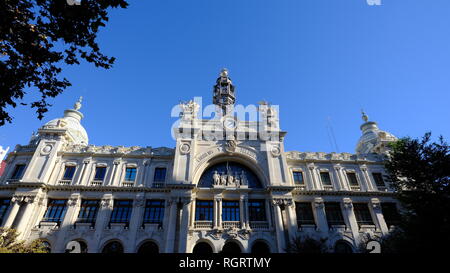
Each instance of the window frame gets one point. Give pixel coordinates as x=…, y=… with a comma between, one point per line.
x=231, y=211
x=335, y=212
x=294, y=176
x=91, y=213
x=66, y=167
x=302, y=206
x=121, y=212
x=204, y=210
x=329, y=178
x=155, y=207
x=16, y=175
x=133, y=174
x=157, y=177
x=96, y=172
x=253, y=214
x=363, y=215
x=55, y=211
x=352, y=174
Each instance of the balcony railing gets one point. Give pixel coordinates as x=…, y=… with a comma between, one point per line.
x=96, y=183
x=327, y=187
x=128, y=183
x=300, y=187
x=203, y=224
x=65, y=182
x=259, y=225
x=231, y=224
x=355, y=188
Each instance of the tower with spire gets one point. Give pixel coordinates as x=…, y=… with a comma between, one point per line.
x=223, y=93
x=373, y=140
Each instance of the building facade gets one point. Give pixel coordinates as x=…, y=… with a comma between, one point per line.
x=228, y=185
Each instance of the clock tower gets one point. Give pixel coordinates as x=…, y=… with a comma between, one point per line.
x=223, y=94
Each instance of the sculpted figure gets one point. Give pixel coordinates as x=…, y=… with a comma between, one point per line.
x=230, y=180
x=216, y=178
x=237, y=180
x=223, y=179
x=243, y=178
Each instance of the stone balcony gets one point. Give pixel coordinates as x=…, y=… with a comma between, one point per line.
x=96, y=183
x=64, y=182
x=203, y=224
x=259, y=225
x=128, y=184
x=231, y=224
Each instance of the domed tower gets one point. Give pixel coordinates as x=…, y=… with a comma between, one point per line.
x=74, y=132
x=224, y=96
x=373, y=140
x=51, y=138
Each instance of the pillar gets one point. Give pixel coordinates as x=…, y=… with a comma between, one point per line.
x=73, y=206
x=279, y=228
x=350, y=218
x=184, y=227
x=170, y=235
x=378, y=217
x=16, y=201
x=135, y=221
x=321, y=218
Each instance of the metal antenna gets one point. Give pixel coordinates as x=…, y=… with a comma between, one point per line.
x=331, y=135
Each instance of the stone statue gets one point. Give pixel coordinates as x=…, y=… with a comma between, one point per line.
x=223, y=179
x=230, y=180
x=243, y=178
x=216, y=178
x=237, y=180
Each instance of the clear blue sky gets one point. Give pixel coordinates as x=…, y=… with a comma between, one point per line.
x=314, y=58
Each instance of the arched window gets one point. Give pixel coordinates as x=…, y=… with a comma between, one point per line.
x=259, y=247
x=342, y=247
x=148, y=248
x=113, y=247
x=240, y=175
x=202, y=248
x=231, y=247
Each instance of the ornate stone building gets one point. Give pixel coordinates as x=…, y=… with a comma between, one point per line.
x=228, y=185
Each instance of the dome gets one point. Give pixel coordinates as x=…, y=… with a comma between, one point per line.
x=71, y=122
x=373, y=140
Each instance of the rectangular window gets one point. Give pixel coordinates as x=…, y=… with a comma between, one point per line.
x=203, y=210
x=334, y=214
x=325, y=177
x=362, y=214
x=352, y=179
x=18, y=171
x=100, y=173
x=160, y=175
x=154, y=212
x=378, y=177
x=122, y=211
x=230, y=211
x=88, y=211
x=69, y=172
x=56, y=209
x=130, y=174
x=257, y=210
x=4, y=205
x=390, y=214
x=298, y=178
x=305, y=215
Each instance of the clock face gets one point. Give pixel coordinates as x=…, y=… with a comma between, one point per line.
x=229, y=123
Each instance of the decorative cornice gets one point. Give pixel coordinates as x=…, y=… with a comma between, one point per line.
x=335, y=157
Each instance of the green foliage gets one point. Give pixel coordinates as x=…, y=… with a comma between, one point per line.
x=37, y=37
x=306, y=244
x=419, y=170
x=10, y=244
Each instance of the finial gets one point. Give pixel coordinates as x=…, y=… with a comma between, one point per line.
x=364, y=116
x=224, y=72
x=77, y=105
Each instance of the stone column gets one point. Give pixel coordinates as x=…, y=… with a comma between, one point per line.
x=135, y=221
x=311, y=176
x=25, y=219
x=104, y=213
x=73, y=207
x=279, y=225
x=170, y=235
x=291, y=220
x=241, y=211
x=321, y=218
x=80, y=173
x=268, y=213
x=338, y=182
x=16, y=201
x=368, y=181
x=192, y=221
x=350, y=218
x=88, y=170
x=246, y=215
x=184, y=227
x=217, y=211
x=378, y=217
